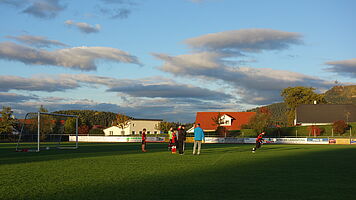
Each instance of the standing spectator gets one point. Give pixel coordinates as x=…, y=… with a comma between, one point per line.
x=184, y=138
x=259, y=141
x=181, y=138
x=170, y=135
x=144, y=140
x=198, y=138
x=174, y=142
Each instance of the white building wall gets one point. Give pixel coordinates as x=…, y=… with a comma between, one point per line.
x=115, y=131
x=134, y=127
x=149, y=125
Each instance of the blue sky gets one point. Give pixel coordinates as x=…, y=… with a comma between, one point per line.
x=169, y=59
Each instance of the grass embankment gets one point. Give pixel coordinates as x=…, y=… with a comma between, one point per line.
x=121, y=171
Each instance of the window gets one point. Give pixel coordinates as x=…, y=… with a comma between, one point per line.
x=140, y=132
x=133, y=132
x=148, y=132
x=155, y=132
x=122, y=132
x=111, y=132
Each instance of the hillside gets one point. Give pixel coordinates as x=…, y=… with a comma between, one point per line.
x=341, y=95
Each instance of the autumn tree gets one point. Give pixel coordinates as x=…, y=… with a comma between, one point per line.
x=261, y=121
x=83, y=130
x=340, y=127
x=294, y=96
x=122, y=121
x=7, y=122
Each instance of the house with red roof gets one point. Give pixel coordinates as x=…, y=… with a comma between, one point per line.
x=230, y=120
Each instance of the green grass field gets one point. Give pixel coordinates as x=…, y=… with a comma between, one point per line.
x=121, y=171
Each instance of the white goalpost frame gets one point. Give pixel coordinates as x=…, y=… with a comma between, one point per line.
x=39, y=129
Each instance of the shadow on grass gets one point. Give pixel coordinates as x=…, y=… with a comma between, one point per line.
x=316, y=174
x=8, y=155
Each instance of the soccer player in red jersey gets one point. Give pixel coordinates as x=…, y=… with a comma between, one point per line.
x=259, y=141
x=144, y=140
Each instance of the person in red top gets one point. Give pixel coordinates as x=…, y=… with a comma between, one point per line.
x=259, y=141
x=174, y=142
x=144, y=140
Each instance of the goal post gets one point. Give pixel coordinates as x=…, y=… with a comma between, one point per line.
x=47, y=130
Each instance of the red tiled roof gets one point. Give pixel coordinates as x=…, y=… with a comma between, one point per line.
x=239, y=118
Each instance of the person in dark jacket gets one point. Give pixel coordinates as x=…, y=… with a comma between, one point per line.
x=181, y=139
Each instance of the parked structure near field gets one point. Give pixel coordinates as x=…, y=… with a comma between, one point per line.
x=230, y=120
x=324, y=114
x=134, y=127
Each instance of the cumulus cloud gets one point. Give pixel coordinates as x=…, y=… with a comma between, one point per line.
x=13, y=97
x=211, y=60
x=15, y=3
x=117, y=9
x=169, y=91
x=251, y=82
x=343, y=67
x=80, y=58
x=38, y=83
x=183, y=110
x=44, y=8
x=37, y=41
x=151, y=87
x=120, y=13
x=245, y=40
x=84, y=27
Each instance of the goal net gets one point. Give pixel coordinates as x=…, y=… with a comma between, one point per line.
x=44, y=131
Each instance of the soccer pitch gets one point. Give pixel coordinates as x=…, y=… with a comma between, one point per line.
x=222, y=171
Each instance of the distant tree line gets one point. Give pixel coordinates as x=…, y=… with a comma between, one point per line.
x=92, y=117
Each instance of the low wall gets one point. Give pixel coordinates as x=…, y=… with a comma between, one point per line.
x=115, y=139
x=215, y=140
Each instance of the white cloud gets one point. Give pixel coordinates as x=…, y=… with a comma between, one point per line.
x=13, y=97
x=151, y=87
x=36, y=41
x=182, y=110
x=249, y=82
x=343, y=67
x=37, y=83
x=211, y=61
x=80, y=58
x=173, y=91
x=84, y=27
x=245, y=40
x=44, y=8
